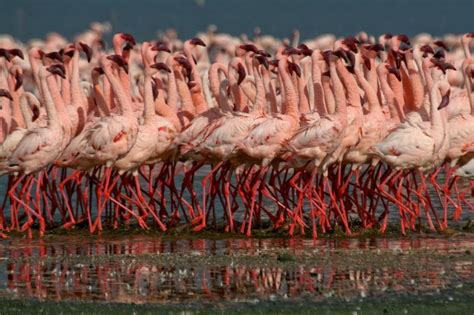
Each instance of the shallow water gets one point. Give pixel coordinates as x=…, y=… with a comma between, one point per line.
x=146, y=269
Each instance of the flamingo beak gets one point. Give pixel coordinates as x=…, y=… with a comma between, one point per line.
x=154, y=90
x=129, y=38
x=294, y=68
x=19, y=80
x=17, y=52
x=160, y=47
x=57, y=69
x=197, y=42
x=99, y=70
x=87, y=50
x=119, y=61
x=445, y=100
x=191, y=84
x=5, y=93
x=54, y=56
x=241, y=72
x=249, y=48
x=161, y=66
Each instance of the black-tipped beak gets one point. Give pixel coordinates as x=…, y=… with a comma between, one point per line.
x=197, y=42
x=119, y=61
x=5, y=93
x=241, y=72
x=19, y=80
x=445, y=100
x=249, y=48
x=294, y=68
x=263, y=61
x=87, y=50
x=161, y=47
x=129, y=38
x=57, y=69
x=54, y=56
x=160, y=66
x=99, y=70
x=17, y=52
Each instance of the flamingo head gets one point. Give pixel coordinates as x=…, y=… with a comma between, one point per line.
x=119, y=61
x=403, y=38
x=54, y=56
x=186, y=65
x=9, y=54
x=288, y=51
x=263, y=61
x=351, y=43
x=57, y=69
x=161, y=67
x=160, y=46
x=426, y=49
x=196, y=41
x=441, y=65
x=125, y=37
x=441, y=44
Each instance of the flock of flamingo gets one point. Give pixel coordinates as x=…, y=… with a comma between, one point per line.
x=236, y=132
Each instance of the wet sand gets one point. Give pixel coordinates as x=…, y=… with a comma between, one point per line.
x=127, y=271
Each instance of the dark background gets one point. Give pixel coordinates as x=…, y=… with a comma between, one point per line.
x=26, y=19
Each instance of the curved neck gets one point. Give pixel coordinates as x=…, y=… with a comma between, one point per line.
x=199, y=101
x=328, y=95
x=16, y=113
x=123, y=100
x=53, y=117
x=99, y=98
x=353, y=97
x=436, y=117
x=270, y=91
x=149, y=110
x=34, y=63
x=465, y=47
x=396, y=111
x=319, y=102
x=414, y=85
x=77, y=97
x=25, y=99
x=53, y=91
x=339, y=95
x=172, y=89
x=259, y=106
x=215, y=85
x=302, y=91
x=187, y=104
x=468, y=86
x=237, y=93
x=166, y=111
x=65, y=84
x=371, y=74
x=370, y=92
x=290, y=97
x=187, y=49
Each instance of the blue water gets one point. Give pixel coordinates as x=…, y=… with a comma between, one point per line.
x=27, y=19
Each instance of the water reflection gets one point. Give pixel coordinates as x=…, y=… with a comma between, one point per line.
x=120, y=270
